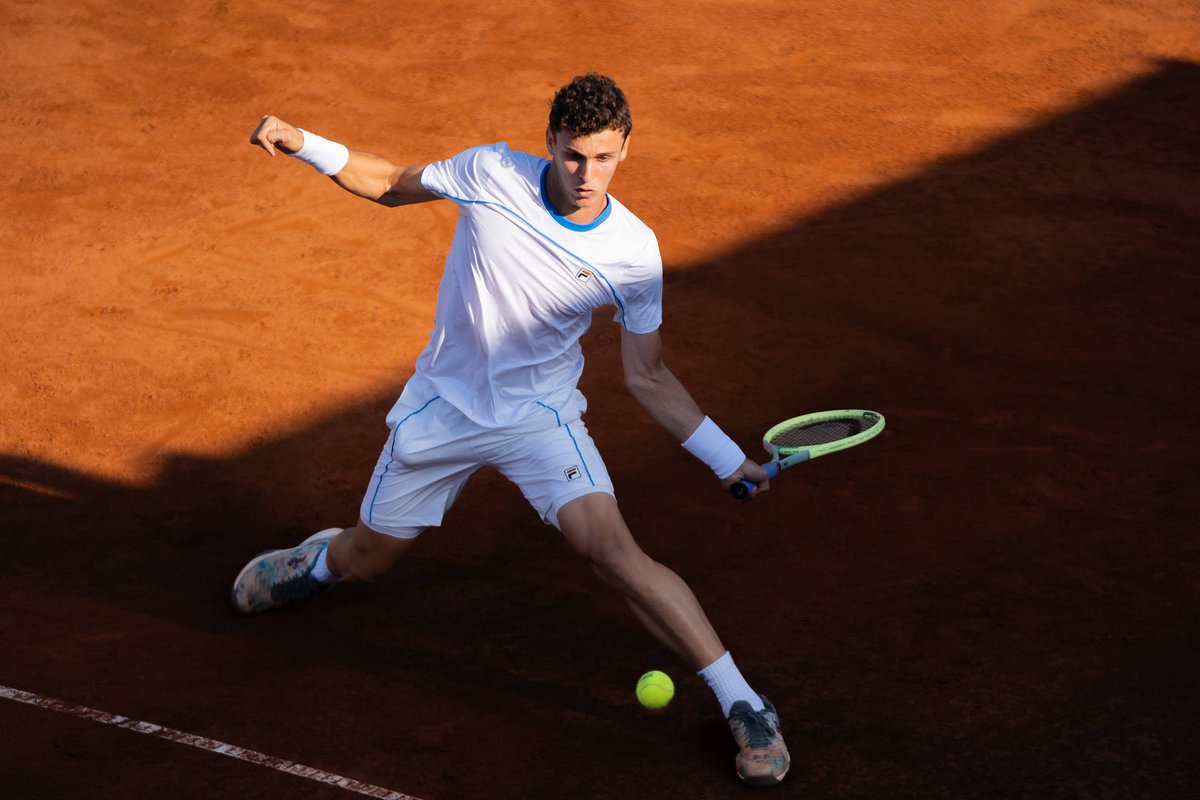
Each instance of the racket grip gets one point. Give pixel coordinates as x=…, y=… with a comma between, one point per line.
x=742, y=489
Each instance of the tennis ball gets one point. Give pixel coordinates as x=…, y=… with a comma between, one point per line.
x=655, y=689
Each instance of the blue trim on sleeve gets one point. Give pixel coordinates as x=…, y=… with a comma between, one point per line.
x=566, y=223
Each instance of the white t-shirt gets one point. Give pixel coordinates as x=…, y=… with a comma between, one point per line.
x=519, y=286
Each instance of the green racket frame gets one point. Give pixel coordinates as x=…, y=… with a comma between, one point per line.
x=784, y=457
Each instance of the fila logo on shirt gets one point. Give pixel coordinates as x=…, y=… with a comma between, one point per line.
x=571, y=472
x=584, y=275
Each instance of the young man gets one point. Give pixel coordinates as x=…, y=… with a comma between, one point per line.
x=538, y=245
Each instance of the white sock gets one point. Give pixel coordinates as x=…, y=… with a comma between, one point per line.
x=320, y=570
x=726, y=681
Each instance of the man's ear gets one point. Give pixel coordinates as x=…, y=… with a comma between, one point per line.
x=625, y=147
x=549, y=140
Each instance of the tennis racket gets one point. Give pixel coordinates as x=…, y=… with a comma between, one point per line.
x=804, y=438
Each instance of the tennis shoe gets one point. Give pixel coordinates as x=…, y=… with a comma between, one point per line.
x=277, y=578
x=763, y=758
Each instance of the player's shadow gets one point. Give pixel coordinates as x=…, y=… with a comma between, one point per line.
x=1024, y=314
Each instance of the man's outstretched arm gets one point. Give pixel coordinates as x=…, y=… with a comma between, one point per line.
x=671, y=405
x=363, y=174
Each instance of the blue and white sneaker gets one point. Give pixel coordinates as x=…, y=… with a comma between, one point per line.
x=278, y=578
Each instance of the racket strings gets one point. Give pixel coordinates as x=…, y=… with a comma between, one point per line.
x=823, y=432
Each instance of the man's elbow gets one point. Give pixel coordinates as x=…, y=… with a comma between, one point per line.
x=642, y=384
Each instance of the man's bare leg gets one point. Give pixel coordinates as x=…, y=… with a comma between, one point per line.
x=280, y=578
x=593, y=526
x=362, y=554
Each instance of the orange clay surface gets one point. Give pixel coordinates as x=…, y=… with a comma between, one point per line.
x=980, y=218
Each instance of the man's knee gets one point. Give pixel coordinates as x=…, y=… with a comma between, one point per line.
x=364, y=554
x=594, y=528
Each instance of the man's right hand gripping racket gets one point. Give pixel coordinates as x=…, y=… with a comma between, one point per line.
x=804, y=438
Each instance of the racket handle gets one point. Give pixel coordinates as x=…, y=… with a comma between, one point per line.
x=742, y=489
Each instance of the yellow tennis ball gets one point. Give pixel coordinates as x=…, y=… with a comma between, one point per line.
x=655, y=689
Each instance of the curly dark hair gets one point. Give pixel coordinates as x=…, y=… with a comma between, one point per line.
x=589, y=104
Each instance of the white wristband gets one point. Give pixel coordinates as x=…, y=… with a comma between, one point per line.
x=710, y=444
x=326, y=157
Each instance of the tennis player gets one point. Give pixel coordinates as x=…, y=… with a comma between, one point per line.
x=539, y=244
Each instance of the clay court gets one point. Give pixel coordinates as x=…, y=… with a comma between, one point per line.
x=981, y=219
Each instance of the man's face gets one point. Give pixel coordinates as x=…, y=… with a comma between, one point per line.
x=582, y=167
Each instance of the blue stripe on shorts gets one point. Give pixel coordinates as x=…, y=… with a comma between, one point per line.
x=578, y=452
x=392, y=459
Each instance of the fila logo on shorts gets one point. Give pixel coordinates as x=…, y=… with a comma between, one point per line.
x=571, y=472
x=583, y=276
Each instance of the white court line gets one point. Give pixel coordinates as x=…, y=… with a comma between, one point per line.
x=212, y=745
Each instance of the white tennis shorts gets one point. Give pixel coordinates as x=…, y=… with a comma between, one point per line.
x=434, y=449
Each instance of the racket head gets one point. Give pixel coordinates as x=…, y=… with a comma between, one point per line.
x=824, y=432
